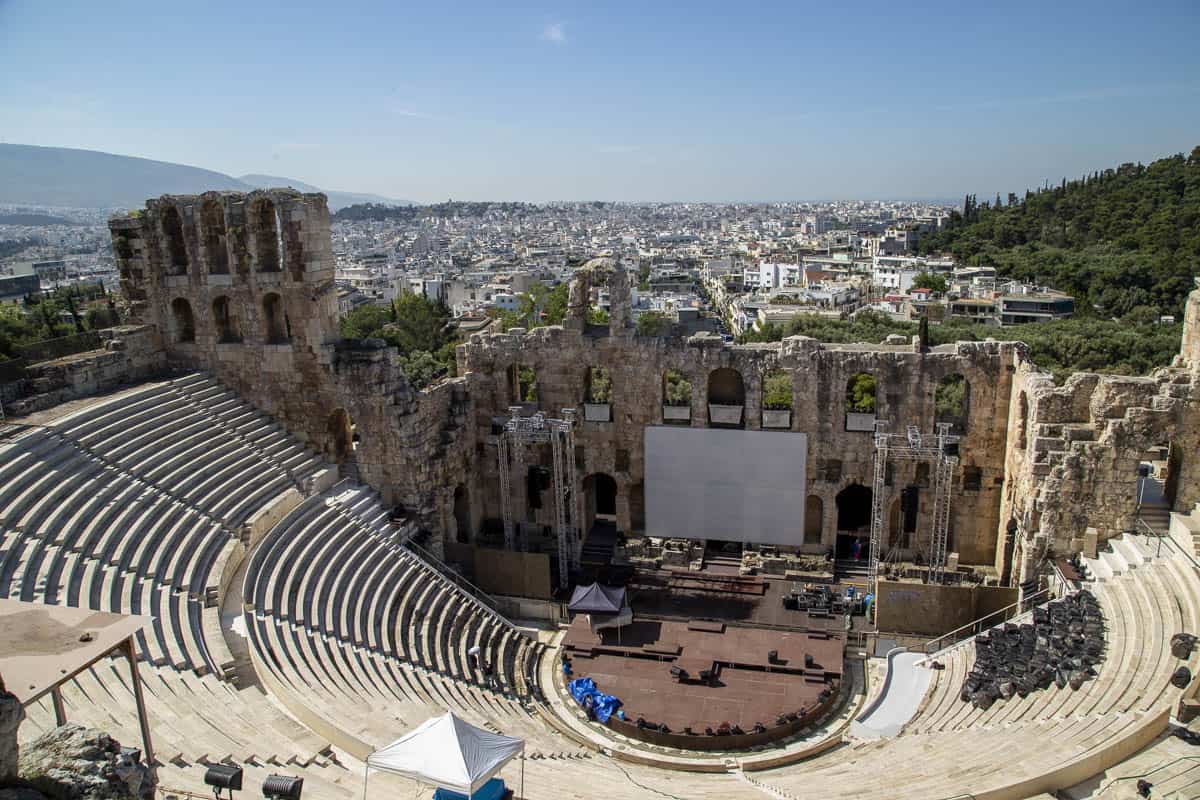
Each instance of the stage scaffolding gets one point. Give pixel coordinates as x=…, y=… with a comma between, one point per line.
x=940, y=450
x=520, y=431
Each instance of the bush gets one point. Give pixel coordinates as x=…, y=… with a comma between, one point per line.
x=860, y=394
x=678, y=389
x=777, y=392
x=653, y=323
x=599, y=386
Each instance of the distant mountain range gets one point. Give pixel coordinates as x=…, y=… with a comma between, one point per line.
x=66, y=177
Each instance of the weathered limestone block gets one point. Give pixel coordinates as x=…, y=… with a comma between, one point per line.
x=73, y=762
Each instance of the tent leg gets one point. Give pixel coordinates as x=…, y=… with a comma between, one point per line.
x=366, y=774
x=522, y=774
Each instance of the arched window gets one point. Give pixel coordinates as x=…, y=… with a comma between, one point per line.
x=777, y=400
x=726, y=398
x=677, y=397
x=597, y=395
x=600, y=500
x=172, y=228
x=183, y=324
x=275, y=320
x=267, y=243
x=860, y=402
x=523, y=381
x=952, y=402
x=227, y=328
x=212, y=220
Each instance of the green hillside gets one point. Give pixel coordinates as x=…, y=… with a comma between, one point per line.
x=1116, y=239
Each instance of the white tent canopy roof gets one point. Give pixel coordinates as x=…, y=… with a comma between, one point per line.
x=447, y=752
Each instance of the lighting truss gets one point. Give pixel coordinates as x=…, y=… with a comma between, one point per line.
x=930, y=448
x=520, y=431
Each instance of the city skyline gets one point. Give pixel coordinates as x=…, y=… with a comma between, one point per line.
x=540, y=102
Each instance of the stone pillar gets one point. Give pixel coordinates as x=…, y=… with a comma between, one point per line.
x=620, y=315
x=11, y=715
x=578, y=300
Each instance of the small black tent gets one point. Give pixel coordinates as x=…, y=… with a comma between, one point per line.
x=597, y=599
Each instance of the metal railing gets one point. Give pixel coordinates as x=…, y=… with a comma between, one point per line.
x=1166, y=536
x=471, y=590
x=976, y=627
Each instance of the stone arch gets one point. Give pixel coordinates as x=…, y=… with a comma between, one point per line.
x=853, y=522
x=726, y=398
x=228, y=331
x=952, y=402
x=814, y=519
x=275, y=321
x=267, y=242
x=1022, y=420
x=597, y=394
x=861, y=394
x=599, y=499
x=854, y=508
x=340, y=429
x=183, y=322
x=676, y=389
x=216, y=250
x=523, y=384
x=172, y=229
x=462, y=515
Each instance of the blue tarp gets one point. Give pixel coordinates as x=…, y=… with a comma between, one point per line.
x=603, y=705
x=492, y=790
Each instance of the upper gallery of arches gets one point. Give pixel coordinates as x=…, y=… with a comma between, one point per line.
x=279, y=234
x=598, y=288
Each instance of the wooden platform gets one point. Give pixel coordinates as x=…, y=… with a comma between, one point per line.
x=634, y=664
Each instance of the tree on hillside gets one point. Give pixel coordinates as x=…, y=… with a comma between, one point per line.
x=931, y=281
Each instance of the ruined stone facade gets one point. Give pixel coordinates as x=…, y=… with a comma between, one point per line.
x=242, y=286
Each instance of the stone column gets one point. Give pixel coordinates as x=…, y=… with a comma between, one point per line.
x=577, y=301
x=620, y=315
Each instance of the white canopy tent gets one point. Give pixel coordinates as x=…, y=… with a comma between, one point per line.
x=450, y=753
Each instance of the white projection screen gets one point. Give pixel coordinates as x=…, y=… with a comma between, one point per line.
x=741, y=486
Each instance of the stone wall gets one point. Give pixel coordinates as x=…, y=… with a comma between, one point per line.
x=241, y=285
x=129, y=354
x=906, y=383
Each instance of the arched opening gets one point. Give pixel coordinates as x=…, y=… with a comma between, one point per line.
x=677, y=397
x=340, y=430
x=777, y=400
x=952, y=402
x=523, y=384
x=910, y=507
x=600, y=502
x=814, y=519
x=726, y=398
x=172, y=228
x=860, y=402
x=212, y=220
x=462, y=515
x=228, y=331
x=854, y=522
x=266, y=236
x=183, y=324
x=597, y=395
x=1023, y=419
x=278, y=329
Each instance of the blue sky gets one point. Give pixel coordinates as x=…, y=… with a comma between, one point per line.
x=617, y=101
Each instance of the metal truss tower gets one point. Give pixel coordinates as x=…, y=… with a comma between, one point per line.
x=940, y=450
x=520, y=431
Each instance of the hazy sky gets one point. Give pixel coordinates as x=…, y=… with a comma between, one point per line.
x=618, y=101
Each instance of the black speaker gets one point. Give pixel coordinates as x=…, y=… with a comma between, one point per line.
x=950, y=449
x=283, y=787
x=223, y=776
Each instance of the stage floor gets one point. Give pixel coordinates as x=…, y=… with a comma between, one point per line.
x=751, y=691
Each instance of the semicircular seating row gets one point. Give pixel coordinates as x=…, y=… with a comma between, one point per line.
x=366, y=635
x=126, y=506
